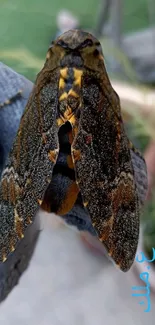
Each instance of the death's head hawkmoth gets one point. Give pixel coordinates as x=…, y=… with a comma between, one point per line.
x=71, y=145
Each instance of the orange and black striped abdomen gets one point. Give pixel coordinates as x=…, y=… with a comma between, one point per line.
x=62, y=192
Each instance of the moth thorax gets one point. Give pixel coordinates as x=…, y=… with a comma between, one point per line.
x=69, y=91
x=69, y=103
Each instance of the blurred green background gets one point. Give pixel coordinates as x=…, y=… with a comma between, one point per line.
x=27, y=27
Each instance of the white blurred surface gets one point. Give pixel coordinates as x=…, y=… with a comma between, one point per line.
x=66, y=284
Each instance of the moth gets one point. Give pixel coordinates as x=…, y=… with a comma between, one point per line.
x=71, y=145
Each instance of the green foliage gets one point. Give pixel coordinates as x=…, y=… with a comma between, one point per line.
x=23, y=61
x=136, y=15
x=31, y=25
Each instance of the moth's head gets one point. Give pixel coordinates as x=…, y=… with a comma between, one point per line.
x=75, y=48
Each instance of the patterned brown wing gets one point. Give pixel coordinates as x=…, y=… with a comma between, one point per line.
x=104, y=170
x=140, y=172
x=30, y=164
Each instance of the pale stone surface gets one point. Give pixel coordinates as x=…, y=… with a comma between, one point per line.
x=67, y=285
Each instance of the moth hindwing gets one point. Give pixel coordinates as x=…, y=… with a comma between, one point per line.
x=73, y=87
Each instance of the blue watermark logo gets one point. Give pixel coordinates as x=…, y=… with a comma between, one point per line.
x=144, y=276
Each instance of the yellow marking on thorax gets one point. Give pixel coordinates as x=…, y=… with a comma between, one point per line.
x=61, y=83
x=64, y=73
x=63, y=96
x=72, y=120
x=68, y=112
x=67, y=96
x=77, y=77
x=85, y=204
x=73, y=93
x=60, y=121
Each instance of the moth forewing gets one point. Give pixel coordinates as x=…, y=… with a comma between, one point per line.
x=104, y=173
x=30, y=164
